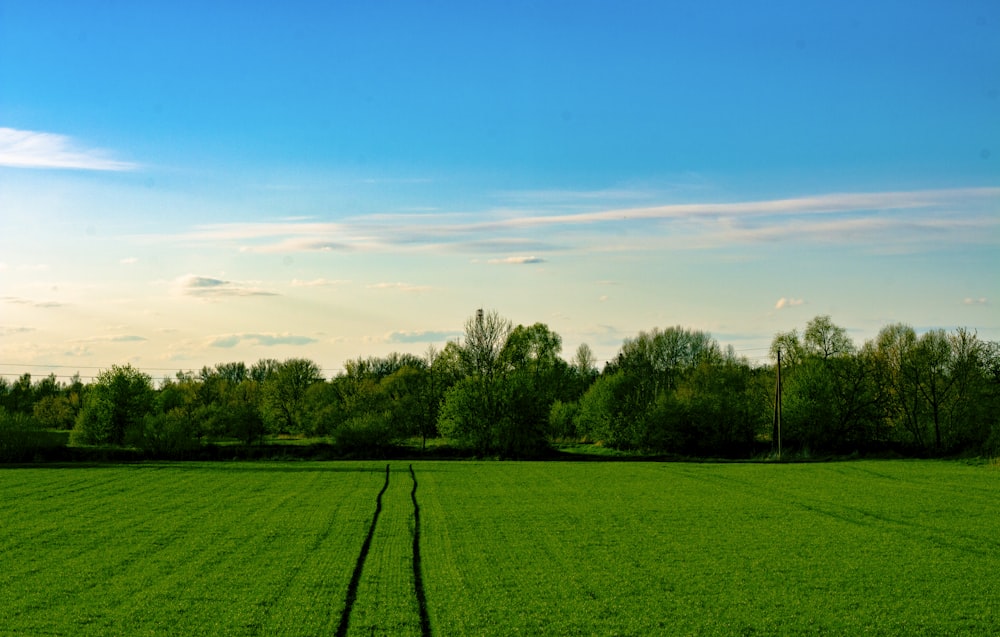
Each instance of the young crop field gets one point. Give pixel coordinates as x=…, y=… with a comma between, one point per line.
x=562, y=548
x=635, y=549
x=205, y=549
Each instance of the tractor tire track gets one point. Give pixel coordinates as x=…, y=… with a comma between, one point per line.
x=418, y=579
x=352, y=588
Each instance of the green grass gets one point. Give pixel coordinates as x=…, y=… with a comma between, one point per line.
x=635, y=548
x=630, y=548
x=203, y=549
x=386, y=602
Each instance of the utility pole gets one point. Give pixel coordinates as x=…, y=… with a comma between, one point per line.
x=776, y=430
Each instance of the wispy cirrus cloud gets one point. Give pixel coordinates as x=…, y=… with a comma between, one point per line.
x=15, y=300
x=14, y=329
x=264, y=340
x=118, y=338
x=882, y=220
x=516, y=260
x=422, y=337
x=211, y=287
x=402, y=287
x=832, y=203
x=319, y=283
x=975, y=301
x=36, y=149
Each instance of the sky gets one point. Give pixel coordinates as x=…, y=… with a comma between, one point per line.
x=188, y=183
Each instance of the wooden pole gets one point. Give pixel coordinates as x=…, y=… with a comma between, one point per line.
x=776, y=426
x=777, y=404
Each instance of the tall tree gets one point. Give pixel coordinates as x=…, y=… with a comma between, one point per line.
x=485, y=336
x=497, y=407
x=899, y=376
x=117, y=402
x=830, y=398
x=936, y=380
x=824, y=339
x=285, y=390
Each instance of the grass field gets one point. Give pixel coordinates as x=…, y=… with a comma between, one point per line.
x=630, y=548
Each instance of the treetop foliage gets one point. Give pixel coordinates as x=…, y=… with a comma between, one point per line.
x=505, y=390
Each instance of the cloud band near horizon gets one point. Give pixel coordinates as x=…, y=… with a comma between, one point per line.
x=883, y=218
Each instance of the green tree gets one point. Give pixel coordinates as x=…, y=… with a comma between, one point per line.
x=970, y=413
x=562, y=420
x=536, y=377
x=722, y=408
x=790, y=346
x=55, y=412
x=472, y=408
x=263, y=370
x=823, y=339
x=118, y=401
x=21, y=438
x=470, y=413
x=831, y=400
x=284, y=392
x=501, y=405
x=233, y=373
x=584, y=361
x=242, y=416
x=898, y=376
x=612, y=411
x=178, y=420
x=643, y=381
x=935, y=381
x=658, y=359
x=48, y=386
x=21, y=395
x=485, y=337
x=323, y=408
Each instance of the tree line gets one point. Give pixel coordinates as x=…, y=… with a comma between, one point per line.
x=506, y=391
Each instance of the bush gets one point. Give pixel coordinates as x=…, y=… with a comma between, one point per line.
x=21, y=438
x=170, y=434
x=370, y=433
x=54, y=412
x=93, y=423
x=561, y=420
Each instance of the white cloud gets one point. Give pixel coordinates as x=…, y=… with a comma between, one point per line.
x=78, y=351
x=264, y=340
x=891, y=221
x=35, y=149
x=318, y=283
x=301, y=244
x=404, y=287
x=13, y=329
x=123, y=338
x=210, y=287
x=129, y=261
x=971, y=301
x=565, y=198
x=785, y=302
x=517, y=260
x=421, y=337
x=819, y=204
x=20, y=301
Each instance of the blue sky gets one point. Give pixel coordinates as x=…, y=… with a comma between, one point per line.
x=182, y=185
